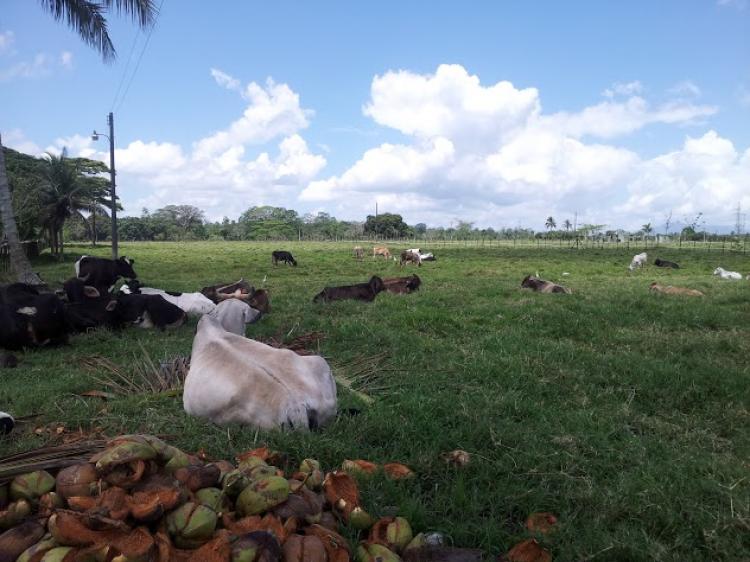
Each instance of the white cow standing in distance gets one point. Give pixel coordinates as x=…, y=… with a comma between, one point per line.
x=724, y=274
x=639, y=260
x=234, y=314
x=233, y=379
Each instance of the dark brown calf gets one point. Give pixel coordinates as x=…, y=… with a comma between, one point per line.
x=402, y=285
x=361, y=291
x=542, y=286
x=217, y=293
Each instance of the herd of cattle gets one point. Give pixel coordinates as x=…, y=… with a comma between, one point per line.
x=231, y=378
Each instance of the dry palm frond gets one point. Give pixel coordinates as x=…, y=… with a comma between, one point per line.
x=363, y=375
x=47, y=458
x=144, y=377
x=300, y=345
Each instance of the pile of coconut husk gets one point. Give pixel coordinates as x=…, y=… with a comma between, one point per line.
x=139, y=499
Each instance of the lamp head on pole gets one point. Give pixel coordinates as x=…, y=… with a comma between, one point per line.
x=94, y=136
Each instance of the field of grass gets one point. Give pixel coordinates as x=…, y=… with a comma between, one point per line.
x=624, y=413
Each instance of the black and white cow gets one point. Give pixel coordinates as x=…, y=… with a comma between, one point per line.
x=147, y=311
x=103, y=273
x=195, y=304
x=30, y=319
x=7, y=423
x=88, y=308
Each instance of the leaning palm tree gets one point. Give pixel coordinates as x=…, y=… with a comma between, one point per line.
x=86, y=18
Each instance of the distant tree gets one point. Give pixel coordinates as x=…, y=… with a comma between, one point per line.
x=186, y=220
x=388, y=225
x=420, y=228
x=647, y=228
x=567, y=225
x=550, y=223
x=270, y=223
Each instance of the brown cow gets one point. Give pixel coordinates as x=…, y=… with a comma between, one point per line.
x=670, y=290
x=381, y=251
x=541, y=286
x=239, y=289
x=402, y=285
x=361, y=291
x=410, y=256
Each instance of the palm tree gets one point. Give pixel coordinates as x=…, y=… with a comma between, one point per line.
x=87, y=19
x=550, y=224
x=568, y=225
x=647, y=229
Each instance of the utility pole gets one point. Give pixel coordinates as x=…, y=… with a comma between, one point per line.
x=376, y=208
x=738, y=223
x=111, y=121
x=95, y=136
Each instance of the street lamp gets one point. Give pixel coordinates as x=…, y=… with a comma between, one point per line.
x=111, y=137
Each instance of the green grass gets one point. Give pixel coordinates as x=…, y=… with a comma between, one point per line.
x=624, y=413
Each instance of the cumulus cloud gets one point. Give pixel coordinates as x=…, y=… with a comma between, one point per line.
x=16, y=139
x=216, y=173
x=490, y=154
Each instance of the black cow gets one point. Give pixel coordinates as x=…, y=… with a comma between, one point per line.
x=281, y=255
x=665, y=263
x=542, y=286
x=7, y=423
x=88, y=308
x=103, y=273
x=148, y=311
x=361, y=291
x=30, y=320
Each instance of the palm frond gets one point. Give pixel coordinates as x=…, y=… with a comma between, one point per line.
x=87, y=20
x=143, y=11
x=47, y=458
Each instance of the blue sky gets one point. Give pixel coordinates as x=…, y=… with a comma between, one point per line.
x=501, y=113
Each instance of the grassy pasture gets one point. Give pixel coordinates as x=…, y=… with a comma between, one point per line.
x=624, y=413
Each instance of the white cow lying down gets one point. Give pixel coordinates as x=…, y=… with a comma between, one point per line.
x=233, y=314
x=235, y=379
x=724, y=274
x=195, y=304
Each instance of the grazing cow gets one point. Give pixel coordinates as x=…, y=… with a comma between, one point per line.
x=148, y=311
x=724, y=274
x=7, y=423
x=233, y=379
x=233, y=314
x=639, y=260
x=402, y=285
x=665, y=263
x=361, y=291
x=103, y=273
x=381, y=251
x=541, y=286
x=238, y=289
x=670, y=290
x=195, y=304
x=281, y=255
x=31, y=320
x=359, y=253
x=410, y=256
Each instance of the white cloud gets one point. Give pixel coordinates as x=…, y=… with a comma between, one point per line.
x=488, y=153
x=273, y=111
x=686, y=88
x=623, y=89
x=736, y=4
x=7, y=39
x=41, y=65
x=225, y=80
x=16, y=139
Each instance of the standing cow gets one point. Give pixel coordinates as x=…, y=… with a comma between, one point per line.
x=381, y=251
x=283, y=256
x=103, y=273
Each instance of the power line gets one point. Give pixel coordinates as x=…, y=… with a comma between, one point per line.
x=125, y=70
x=140, y=57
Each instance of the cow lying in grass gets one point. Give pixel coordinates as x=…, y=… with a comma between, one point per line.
x=665, y=263
x=361, y=291
x=233, y=379
x=29, y=318
x=670, y=290
x=402, y=285
x=194, y=304
x=639, y=260
x=238, y=289
x=234, y=314
x=724, y=274
x=541, y=286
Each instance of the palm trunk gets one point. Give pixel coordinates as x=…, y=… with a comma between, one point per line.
x=19, y=263
x=93, y=225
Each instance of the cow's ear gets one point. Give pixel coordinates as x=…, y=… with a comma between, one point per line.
x=91, y=292
x=27, y=310
x=111, y=305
